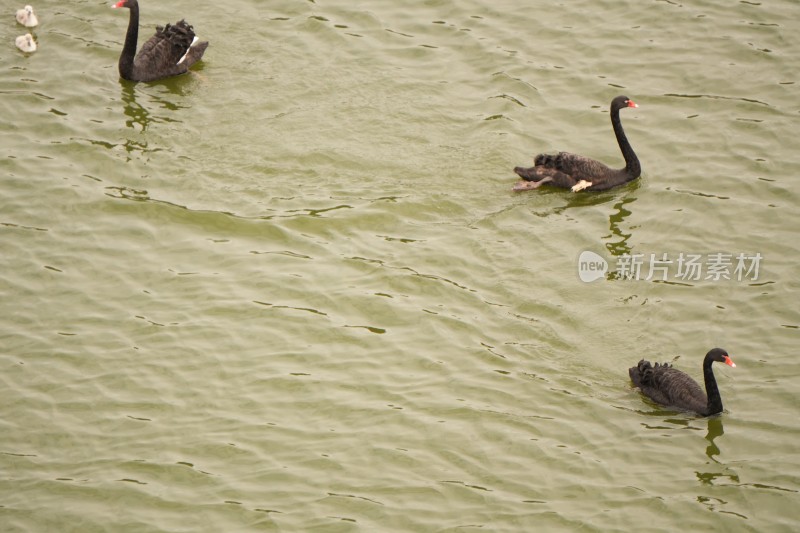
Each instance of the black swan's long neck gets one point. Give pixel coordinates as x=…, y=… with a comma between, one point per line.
x=131, y=38
x=632, y=167
x=712, y=391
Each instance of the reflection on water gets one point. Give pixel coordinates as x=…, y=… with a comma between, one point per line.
x=136, y=113
x=616, y=219
x=715, y=430
x=308, y=266
x=715, y=504
x=170, y=97
x=726, y=475
x=619, y=247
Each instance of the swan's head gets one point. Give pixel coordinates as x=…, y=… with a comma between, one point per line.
x=721, y=356
x=621, y=102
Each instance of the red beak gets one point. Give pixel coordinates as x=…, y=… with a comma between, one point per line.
x=631, y=103
x=729, y=362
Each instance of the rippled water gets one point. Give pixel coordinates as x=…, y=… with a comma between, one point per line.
x=294, y=291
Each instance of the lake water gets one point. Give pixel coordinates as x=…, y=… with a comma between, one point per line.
x=294, y=291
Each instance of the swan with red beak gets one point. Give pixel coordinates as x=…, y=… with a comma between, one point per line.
x=170, y=52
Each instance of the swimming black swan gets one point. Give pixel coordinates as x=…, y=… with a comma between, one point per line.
x=570, y=171
x=171, y=51
x=671, y=387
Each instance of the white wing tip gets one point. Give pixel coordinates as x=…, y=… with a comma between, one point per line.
x=181, y=60
x=581, y=185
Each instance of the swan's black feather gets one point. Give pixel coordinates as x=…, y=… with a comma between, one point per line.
x=671, y=387
x=566, y=170
x=170, y=52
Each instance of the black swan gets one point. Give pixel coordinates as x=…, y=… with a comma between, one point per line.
x=570, y=171
x=671, y=387
x=27, y=17
x=170, y=52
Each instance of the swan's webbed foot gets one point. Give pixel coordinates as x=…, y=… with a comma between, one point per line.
x=581, y=185
x=525, y=185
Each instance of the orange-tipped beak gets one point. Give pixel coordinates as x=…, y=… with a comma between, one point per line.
x=729, y=362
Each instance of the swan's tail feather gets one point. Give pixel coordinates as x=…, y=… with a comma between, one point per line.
x=642, y=373
x=546, y=160
x=646, y=374
x=526, y=185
